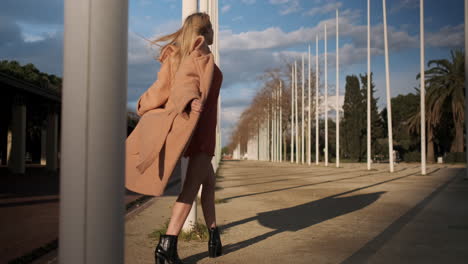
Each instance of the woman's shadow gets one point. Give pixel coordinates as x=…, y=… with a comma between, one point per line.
x=296, y=218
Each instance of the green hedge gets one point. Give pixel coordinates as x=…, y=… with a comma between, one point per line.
x=414, y=156
x=453, y=157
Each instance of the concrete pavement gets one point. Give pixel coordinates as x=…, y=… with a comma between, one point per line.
x=283, y=212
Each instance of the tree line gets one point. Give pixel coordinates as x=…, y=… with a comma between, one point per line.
x=445, y=93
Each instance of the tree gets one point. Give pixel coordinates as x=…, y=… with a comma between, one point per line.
x=353, y=120
x=446, y=86
x=376, y=118
x=445, y=95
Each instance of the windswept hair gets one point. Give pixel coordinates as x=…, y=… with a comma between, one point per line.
x=194, y=25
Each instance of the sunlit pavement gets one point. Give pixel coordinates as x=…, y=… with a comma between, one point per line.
x=294, y=213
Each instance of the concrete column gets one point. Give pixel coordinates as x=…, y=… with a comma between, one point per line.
x=236, y=153
x=43, y=144
x=188, y=7
x=466, y=85
x=17, y=158
x=252, y=148
x=52, y=140
x=93, y=129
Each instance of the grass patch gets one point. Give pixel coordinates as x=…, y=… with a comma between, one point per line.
x=198, y=233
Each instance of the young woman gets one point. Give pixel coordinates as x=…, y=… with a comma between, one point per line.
x=185, y=47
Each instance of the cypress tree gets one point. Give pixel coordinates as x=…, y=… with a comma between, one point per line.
x=353, y=119
x=377, y=130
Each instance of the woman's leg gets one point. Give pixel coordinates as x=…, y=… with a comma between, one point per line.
x=208, y=197
x=196, y=174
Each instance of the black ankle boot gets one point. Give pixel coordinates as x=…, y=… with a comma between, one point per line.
x=214, y=244
x=166, y=250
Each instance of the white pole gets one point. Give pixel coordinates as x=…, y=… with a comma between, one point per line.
x=276, y=125
x=303, y=121
x=387, y=78
x=368, y=90
x=466, y=82
x=326, y=100
x=268, y=132
x=93, y=125
x=308, y=127
x=204, y=6
x=188, y=7
x=273, y=126
x=292, y=113
x=337, y=92
x=296, y=114
x=281, y=123
x=423, y=95
x=272, y=131
x=316, y=102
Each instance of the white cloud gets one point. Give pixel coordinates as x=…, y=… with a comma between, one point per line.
x=292, y=7
x=139, y=50
x=225, y=8
x=323, y=9
x=404, y=4
x=32, y=38
x=287, y=6
x=168, y=27
x=448, y=36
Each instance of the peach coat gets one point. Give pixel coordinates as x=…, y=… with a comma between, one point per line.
x=166, y=125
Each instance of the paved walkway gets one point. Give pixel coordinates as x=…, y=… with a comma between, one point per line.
x=289, y=213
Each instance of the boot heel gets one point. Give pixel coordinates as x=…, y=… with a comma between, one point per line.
x=214, y=244
x=211, y=251
x=214, y=251
x=166, y=250
x=160, y=259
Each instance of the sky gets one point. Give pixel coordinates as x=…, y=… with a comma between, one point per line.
x=255, y=35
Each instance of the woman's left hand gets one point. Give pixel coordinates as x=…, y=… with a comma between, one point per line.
x=196, y=105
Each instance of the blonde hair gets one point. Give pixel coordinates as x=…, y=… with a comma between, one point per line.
x=194, y=25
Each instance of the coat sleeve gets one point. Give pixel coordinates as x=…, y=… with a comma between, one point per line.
x=157, y=94
x=186, y=85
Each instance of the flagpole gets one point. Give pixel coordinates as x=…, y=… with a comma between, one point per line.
x=280, y=124
x=326, y=100
x=308, y=127
x=337, y=92
x=368, y=90
x=316, y=102
x=295, y=105
x=292, y=114
x=387, y=79
x=423, y=94
x=303, y=121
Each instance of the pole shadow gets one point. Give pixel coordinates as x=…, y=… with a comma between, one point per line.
x=296, y=218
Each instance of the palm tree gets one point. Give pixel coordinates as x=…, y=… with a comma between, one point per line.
x=445, y=83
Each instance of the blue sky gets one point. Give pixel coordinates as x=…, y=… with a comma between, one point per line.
x=254, y=35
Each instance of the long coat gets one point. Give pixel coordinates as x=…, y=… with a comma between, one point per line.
x=167, y=123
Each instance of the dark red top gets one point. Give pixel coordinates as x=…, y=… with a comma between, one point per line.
x=204, y=137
